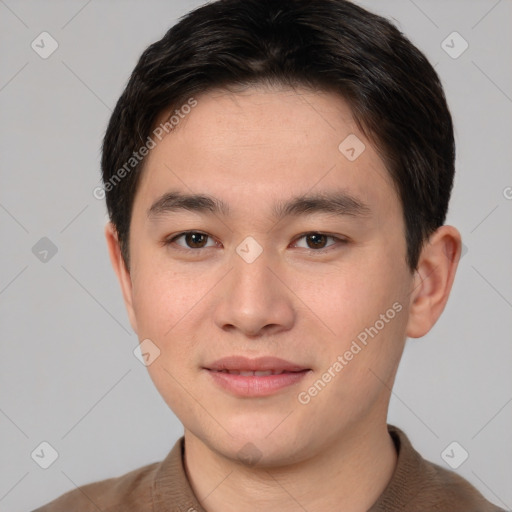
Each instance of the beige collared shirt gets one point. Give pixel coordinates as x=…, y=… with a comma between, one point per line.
x=416, y=486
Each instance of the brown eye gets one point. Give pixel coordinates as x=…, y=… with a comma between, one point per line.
x=195, y=240
x=317, y=240
x=192, y=240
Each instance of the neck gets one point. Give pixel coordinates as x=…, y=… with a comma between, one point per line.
x=348, y=475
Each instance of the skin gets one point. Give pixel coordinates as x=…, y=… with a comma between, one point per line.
x=251, y=148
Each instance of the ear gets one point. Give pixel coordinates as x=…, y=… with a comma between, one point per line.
x=123, y=275
x=433, y=280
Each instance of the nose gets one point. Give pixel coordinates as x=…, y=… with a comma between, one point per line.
x=254, y=299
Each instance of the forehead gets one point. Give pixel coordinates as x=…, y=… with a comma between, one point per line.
x=256, y=114
x=259, y=144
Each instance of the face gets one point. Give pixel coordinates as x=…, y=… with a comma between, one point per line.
x=321, y=284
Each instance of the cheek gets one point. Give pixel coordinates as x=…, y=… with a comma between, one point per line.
x=366, y=308
x=351, y=299
x=169, y=307
x=161, y=298
x=164, y=306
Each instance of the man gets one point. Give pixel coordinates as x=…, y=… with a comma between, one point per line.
x=277, y=175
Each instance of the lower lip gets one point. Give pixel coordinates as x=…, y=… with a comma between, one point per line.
x=253, y=386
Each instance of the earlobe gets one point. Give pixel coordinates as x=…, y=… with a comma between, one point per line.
x=433, y=280
x=123, y=275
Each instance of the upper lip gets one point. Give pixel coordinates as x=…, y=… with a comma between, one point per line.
x=245, y=364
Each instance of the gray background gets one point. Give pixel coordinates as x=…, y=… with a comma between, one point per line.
x=68, y=373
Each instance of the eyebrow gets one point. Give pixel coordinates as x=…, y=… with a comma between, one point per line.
x=339, y=203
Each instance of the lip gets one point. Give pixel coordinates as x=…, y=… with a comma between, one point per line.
x=242, y=363
x=255, y=385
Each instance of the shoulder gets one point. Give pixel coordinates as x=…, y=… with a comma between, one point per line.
x=121, y=493
x=418, y=485
x=446, y=490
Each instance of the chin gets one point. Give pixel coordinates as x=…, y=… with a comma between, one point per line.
x=254, y=447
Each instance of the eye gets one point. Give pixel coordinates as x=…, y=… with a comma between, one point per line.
x=317, y=241
x=195, y=240
x=192, y=239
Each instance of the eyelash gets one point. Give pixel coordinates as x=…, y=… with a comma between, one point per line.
x=340, y=241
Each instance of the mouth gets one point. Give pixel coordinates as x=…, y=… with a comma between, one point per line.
x=256, y=373
x=238, y=364
x=264, y=376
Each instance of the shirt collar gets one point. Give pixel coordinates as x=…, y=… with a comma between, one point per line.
x=172, y=491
